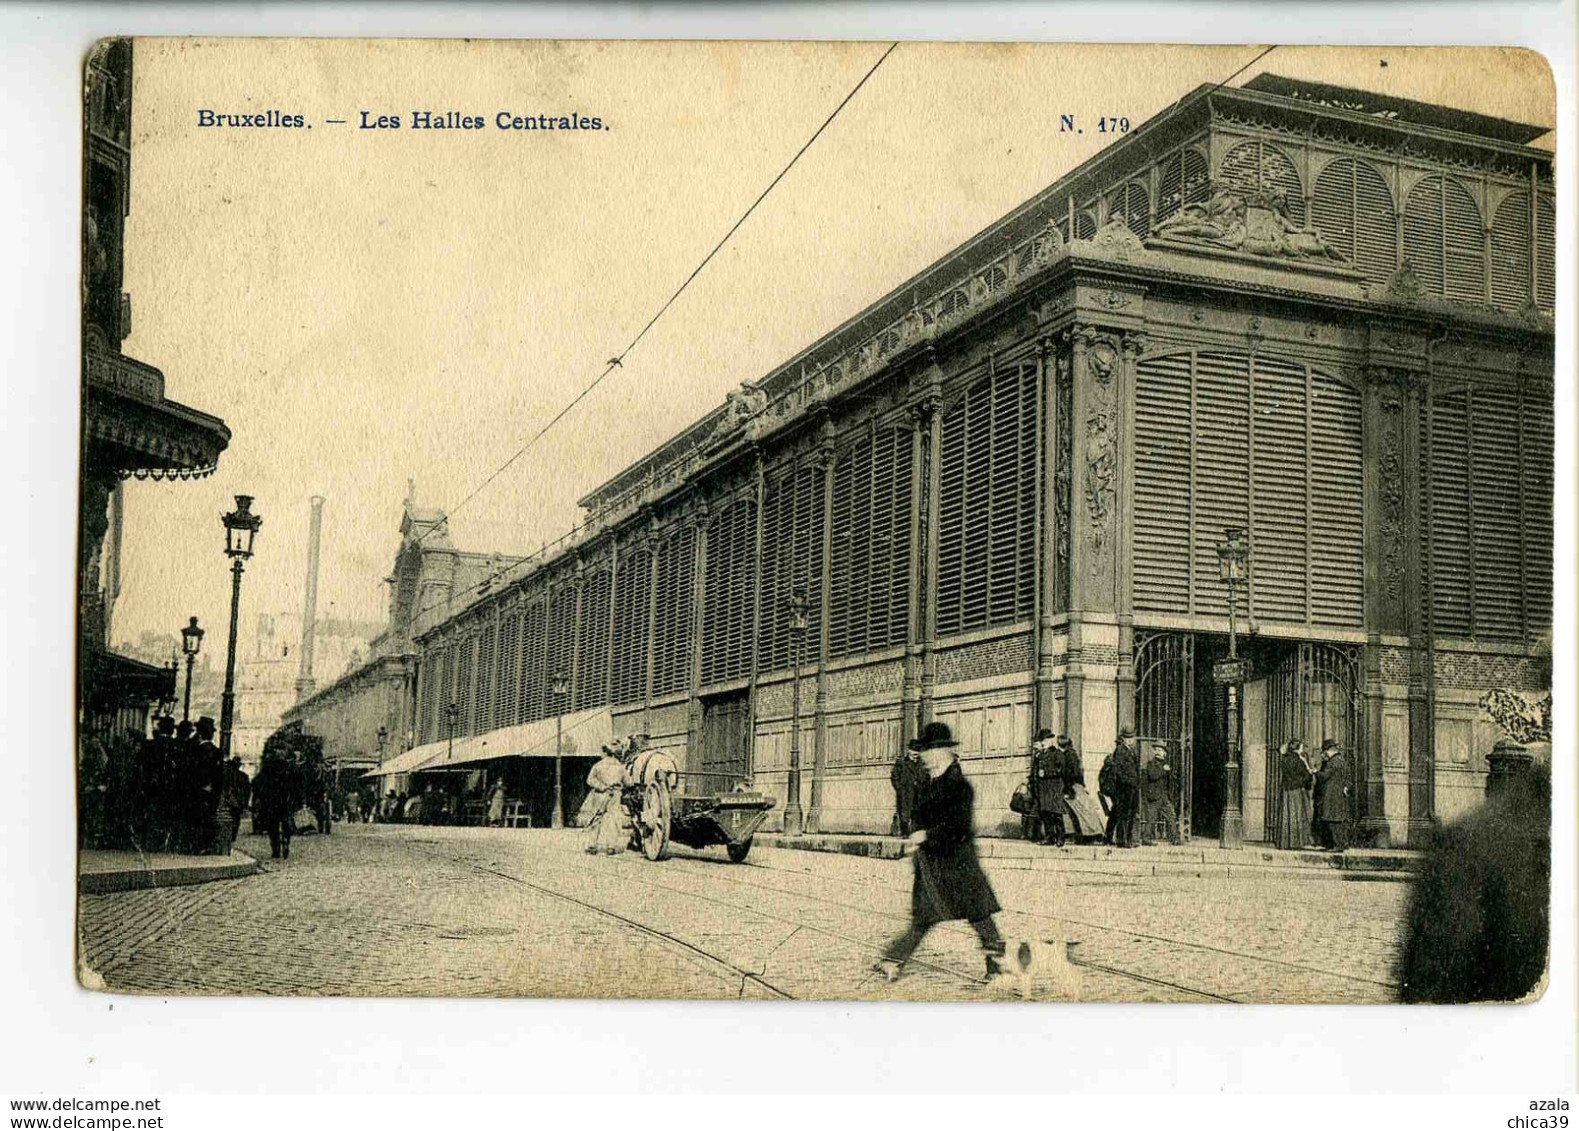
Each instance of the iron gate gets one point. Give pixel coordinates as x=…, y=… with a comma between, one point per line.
x=1313, y=694
x=1165, y=707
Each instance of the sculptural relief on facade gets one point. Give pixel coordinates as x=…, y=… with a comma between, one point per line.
x=1255, y=223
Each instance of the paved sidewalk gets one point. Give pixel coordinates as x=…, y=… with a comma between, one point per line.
x=101, y=872
x=1199, y=858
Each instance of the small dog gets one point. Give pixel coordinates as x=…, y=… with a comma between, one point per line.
x=1040, y=970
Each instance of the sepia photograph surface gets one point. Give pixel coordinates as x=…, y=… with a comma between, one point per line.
x=854, y=521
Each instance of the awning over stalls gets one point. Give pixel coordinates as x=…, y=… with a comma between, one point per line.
x=584, y=735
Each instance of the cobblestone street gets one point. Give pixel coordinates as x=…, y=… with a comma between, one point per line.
x=403, y=910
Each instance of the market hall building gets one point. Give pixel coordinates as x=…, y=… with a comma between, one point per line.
x=1315, y=313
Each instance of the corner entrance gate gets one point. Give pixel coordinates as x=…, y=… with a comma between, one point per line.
x=1312, y=693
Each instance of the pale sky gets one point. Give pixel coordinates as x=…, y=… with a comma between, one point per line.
x=363, y=307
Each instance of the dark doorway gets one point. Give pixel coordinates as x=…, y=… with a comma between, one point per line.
x=725, y=744
x=1207, y=783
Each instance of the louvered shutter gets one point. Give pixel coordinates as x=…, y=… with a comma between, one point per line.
x=778, y=538
x=1337, y=492
x=1448, y=447
x=851, y=568
x=534, y=643
x=1254, y=165
x=1545, y=252
x=1008, y=479
x=428, y=676
x=1494, y=501
x=1510, y=253
x=506, y=703
x=465, y=684
x=730, y=593
x=676, y=596
x=1423, y=236
x=561, y=641
x=482, y=709
x=1162, y=484
x=890, y=525
x=952, y=481
x=1280, y=566
x=1538, y=477
x=1222, y=426
x=1132, y=204
x=1443, y=239
x=1353, y=210
x=1182, y=180
x=633, y=583
x=446, y=688
x=1466, y=244
x=597, y=606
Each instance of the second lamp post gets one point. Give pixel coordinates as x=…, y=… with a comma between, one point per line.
x=794, y=819
x=241, y=527
x=1233, y=567
x=191, y=641
x=561, y=688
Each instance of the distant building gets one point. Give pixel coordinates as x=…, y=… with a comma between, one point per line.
x=266, y=679
x=375, y=691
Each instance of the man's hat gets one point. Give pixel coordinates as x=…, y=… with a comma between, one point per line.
x=1126, y=732
x=1043, y=735
x=933, y=736
x=1328, y=744
x=164, y=724
x=1065, y=740
x=205, y=725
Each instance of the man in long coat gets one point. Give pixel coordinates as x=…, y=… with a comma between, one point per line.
x=1119, y=780
x=949, y=881
x=1332, y=797
x=275, y=796
x=1047, y=788
x=905, y=777
x=1157, y=816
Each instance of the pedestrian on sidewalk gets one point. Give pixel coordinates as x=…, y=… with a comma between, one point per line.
x=1081, y=810
x=274, y=796
x=1158, y=820
x=606, y=821
x=1332, y=797
x=949, y=882
x=1293, y=817
x=906, y=777
x=1047, y=789
x=1119, y=782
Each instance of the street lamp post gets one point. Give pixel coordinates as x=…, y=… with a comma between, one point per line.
x=191, y=642
x=794, y=820
x=452, y=715
x=383, y=741
x=1233, y=561
x=241, y=527
x=561, y=686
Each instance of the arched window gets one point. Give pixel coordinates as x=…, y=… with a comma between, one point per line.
x=1183, y=179
x=1254, y=165
x=993, y=278
x=1133, y=205
x=952, y=303
x=1443, y=239
x=1353, y=210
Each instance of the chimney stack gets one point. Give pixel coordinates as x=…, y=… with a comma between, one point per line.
x=304, y=681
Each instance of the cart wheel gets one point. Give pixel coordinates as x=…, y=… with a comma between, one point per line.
x=738, y=850
x=655, y=811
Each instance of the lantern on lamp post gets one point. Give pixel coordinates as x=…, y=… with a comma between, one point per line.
x=383, y=741
x=1233, y=569
x=561, y=689
x=241, y=527
x=794, y=821
x=191, y=644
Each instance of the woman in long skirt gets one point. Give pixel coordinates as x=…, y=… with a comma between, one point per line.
x=949, y=881
x=1293, y=813
x=610, y=830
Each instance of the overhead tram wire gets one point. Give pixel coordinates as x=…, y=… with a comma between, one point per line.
x=617, y=361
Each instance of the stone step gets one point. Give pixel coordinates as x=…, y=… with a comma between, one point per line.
x=1200, y=859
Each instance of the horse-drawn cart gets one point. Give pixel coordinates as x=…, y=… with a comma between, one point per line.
x=661, y=813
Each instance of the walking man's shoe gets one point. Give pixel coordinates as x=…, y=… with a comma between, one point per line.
x=887, y=969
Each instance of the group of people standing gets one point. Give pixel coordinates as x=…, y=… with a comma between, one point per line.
x=182, y=790
x=1137, y=795
x=1314, y=807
